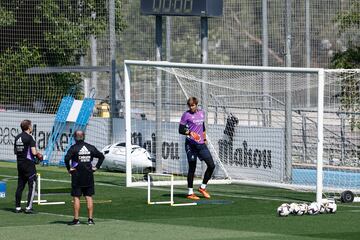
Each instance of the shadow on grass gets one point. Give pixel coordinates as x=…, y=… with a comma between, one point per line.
x=7, y=209
x=181, y=195
x=270, y=193
x=12, y=210
x=60, y=222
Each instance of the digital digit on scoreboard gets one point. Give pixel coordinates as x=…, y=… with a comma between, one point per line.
x=205, y=8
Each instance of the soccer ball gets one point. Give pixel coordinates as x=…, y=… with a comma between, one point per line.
x=283, y=210
x=330, y=207
x=313, y=208
x=321, y=208
x=294, y=208
x=303, y=209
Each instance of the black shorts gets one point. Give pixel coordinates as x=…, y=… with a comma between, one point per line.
x=82, y=191
x=194, y=151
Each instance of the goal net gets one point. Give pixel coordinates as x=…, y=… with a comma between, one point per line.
x=341, y=169
x=264, y=125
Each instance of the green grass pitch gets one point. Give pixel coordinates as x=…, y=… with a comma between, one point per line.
x=235, y=212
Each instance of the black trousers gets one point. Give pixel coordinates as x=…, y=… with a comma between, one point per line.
x=201, y=151
x=27, y=176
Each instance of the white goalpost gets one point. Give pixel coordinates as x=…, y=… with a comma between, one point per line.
x=268, y=126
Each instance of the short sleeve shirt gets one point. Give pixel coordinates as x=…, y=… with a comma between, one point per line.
x=194, y=122
x=22, y=148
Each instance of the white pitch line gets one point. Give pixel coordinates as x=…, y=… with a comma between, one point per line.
x=215, y=194
x=65, y=181
x=237, y=196
x=85, y=218
x=7, y=177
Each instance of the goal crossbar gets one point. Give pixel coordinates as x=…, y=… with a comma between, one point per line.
x=166, y=64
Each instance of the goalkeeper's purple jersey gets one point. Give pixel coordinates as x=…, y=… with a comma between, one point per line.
x=194, y=123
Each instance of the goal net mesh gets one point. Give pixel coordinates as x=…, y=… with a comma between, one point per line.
x=261, y=125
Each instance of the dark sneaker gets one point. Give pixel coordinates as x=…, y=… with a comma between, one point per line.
x=91, y=221
x=74, y=222
x=18, y=210
x=29, y=211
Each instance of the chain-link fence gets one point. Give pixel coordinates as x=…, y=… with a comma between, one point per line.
x=58, y=33
x=237, y=37
x=76, y=32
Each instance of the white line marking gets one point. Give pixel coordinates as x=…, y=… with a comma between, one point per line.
x=239, y=195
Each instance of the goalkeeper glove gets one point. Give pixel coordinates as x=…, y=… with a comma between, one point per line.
x=38, y=158
x=195, y=136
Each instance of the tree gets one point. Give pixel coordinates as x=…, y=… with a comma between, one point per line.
x=347, y=22
x=47, y=33
x=349, y=58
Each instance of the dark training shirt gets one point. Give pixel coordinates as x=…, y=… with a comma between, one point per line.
x=22, y=148
x=81, y=155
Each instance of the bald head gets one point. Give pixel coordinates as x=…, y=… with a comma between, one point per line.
x=79, y=135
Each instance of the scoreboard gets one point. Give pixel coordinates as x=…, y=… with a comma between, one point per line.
x=203, y=8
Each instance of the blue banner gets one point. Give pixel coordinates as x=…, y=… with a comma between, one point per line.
x=2, y=189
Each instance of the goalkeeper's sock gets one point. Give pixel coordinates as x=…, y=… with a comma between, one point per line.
x=191, y=191
x=203, y=186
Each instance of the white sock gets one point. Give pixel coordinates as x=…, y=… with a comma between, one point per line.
x=191, y=191
x=203, y=186
x=18, y=208
x=28, y=208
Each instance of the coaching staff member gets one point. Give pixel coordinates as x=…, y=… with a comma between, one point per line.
x=81, y=155
x=26, y=157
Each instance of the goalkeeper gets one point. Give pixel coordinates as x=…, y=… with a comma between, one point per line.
x=193, y=126
x=26, y=157
x=81, y=155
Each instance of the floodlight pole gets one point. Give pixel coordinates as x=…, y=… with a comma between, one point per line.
x=168, y=75
x=204, y=59
x=204, y=35
x=113, y=67
x=158, y=95
x=288, y=97
x=308, y=50
x=93, y=47
x=265, y=62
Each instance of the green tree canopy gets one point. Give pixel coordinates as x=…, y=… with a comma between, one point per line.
x=47, y=33
x=349, y=58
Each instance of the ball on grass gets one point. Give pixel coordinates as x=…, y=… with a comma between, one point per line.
x=283, y=210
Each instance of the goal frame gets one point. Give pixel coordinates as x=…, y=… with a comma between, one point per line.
x=164, y=64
